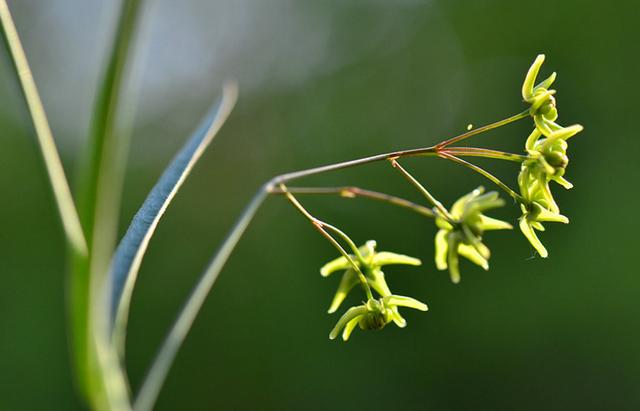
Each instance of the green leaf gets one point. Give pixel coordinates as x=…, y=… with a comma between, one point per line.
x=131, y=250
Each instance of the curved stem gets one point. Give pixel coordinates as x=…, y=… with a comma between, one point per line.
x=320, y=226
x=160, y=367
x=437, y=204
x=352, y=192
x=485, y=173
x=482, y=129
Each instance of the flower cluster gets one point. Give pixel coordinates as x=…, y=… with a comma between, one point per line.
x=375, y=313
x=546, y=160
x=460, y=229
x=463, y=235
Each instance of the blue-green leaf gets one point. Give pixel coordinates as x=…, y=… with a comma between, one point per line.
x=131, y=250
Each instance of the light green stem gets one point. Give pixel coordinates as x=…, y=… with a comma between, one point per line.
x=55, y=171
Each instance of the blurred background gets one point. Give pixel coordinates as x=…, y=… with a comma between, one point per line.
x=322, y=82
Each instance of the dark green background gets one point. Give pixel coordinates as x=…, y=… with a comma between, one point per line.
x=530, y=334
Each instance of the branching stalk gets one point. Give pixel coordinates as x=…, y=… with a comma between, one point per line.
x=352, y=192
x=485, y=173
x=321, y=226
x=437, y=204
x=160, y=366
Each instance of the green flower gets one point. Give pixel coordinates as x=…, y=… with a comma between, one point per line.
x=463, y=235
x=374, y=314
x=371, y=266
x=546, y=162
x=543, y=104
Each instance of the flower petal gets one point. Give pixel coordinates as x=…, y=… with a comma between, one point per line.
x=546, y=82
x=566, y=133
x=473, y=255
x=377, y=281
x=386, y=258
x=348, y=281
x=348, y=329
x=542, y=125
x=532, y=237
x=530, y=79
x=352, y=313
x=441, y=246
x=489, y=223
x=340, y=263
x=402, y=301
x=452, y=259
x=546, y=215
x=563, y=182
x=532, y=139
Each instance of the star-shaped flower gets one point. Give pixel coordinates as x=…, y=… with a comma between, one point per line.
x=374, y=314
x=371, y=267
x=463, y=236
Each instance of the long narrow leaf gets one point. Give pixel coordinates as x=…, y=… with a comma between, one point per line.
x=101, y=179
x=133, y=246
x=57, y=178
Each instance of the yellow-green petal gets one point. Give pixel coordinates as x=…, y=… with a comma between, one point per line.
x=348, y=329
x=340, y=263
x=452, y=260
x=563, y=182
x=546, y=82
x=348, y=281
x=441, y=248
x=473, y=255
x=377, y=281
x=489, y=223
x=352, y=313
x=542, y=125
x=546, y=215
x=402, y=301
x=530, y=78
x=387, y=258
x=533, y=139
x=533, y=238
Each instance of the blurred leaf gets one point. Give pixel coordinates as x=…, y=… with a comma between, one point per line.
x=57, y=178
x=131, y=250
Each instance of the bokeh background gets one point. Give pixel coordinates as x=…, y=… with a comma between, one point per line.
x=323, y=82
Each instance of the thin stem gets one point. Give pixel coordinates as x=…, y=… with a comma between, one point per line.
x=161, y=364
x=484, y=152
x=352, y=192
x=320, y=226
x=160, y=367
x=437, y=204
x=59, y=184
x=482, y=129
x=485, y=173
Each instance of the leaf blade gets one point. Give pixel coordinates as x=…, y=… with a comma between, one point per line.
x=130, y=252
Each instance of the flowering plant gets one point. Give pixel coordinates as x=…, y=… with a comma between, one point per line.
x=103, y=272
